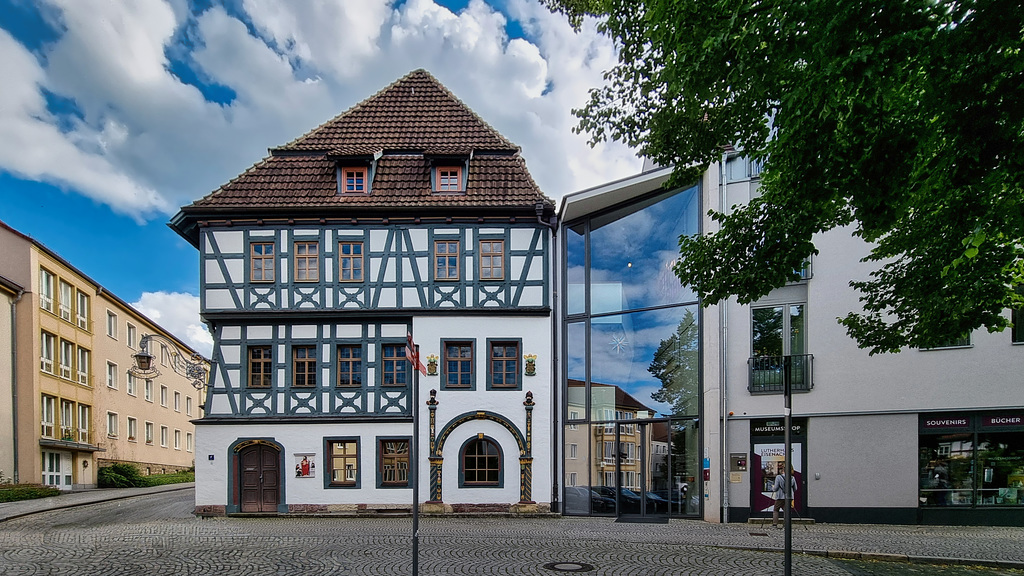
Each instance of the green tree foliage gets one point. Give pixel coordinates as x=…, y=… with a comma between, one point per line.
x=677, y=364
x=902, y=121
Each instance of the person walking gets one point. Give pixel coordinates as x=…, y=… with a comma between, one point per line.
x=779, y=493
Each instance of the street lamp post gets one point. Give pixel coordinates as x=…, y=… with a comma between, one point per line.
x=195, y=369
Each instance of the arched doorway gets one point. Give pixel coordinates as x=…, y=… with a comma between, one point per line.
x=259, y=476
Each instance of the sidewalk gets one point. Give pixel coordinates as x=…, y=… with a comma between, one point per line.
x=9, y=510
x=998, y=547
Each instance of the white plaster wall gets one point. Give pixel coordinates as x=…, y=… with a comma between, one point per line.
x=535, y=333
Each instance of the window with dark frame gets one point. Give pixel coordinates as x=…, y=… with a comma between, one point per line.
x=307, y=258
x=353, y=180
x=446, y=260
x=504, y=364
x=344, y=463
x=350, y=261
x=481, y=463
x=394, y=462
x=395, y=372
x=458, y=364
x=260, y=365
x=492, y=259
x=261, y=261
x=350, y=365
x=448, y=179
x=304, y=366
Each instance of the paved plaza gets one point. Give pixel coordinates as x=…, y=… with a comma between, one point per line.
x=153, y=532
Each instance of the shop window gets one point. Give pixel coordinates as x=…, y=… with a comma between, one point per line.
x=481, y=463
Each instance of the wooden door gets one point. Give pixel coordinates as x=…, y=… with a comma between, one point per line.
x=260, y=476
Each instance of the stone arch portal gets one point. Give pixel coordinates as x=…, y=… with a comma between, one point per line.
x=523, y=441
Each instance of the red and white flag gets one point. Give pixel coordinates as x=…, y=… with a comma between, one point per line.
x=412, y=356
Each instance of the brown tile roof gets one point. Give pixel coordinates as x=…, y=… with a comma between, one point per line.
x=407, y=122
x=415, y=112
x=400, y=181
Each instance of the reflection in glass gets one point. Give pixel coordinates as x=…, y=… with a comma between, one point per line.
x=576, y=368
x=946, y=470
x=646, y=361
x=684, y=447
x=634, y=249
x=575, y=273
x=1001, y=464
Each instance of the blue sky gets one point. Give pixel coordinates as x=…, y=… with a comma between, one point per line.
x=115, y=114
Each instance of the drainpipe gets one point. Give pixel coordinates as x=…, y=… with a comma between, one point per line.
x=14, y=381
x=556, y=379
x=723, y=366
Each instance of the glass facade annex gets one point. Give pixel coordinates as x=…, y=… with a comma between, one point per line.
x=632, y=357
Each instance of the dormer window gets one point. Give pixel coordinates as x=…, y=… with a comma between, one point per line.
x=353, y=180
x=448, y=179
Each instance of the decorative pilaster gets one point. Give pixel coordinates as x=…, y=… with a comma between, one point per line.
x=526, y=460
x=434, y=458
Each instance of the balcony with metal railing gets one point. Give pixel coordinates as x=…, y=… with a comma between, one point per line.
x=768, y=373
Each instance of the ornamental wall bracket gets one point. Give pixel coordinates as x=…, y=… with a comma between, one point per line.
x=195, y=369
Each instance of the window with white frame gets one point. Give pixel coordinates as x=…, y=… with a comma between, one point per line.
x=112, y=424
x=82, y=310
x=163, y=396
x=111, y=375
x=46, y=279
x=188, y=405
x=48, y=343
x=165, y=355
x=148, y=390
x=49, y=408
x=131, y=385
x=112, y=324
x=572, y=451
x=188, y=441
x=149, y=432
x=573, y=415
x=67, y=420
x=130, y=335
x=177, y=439
x=66, y=295
x=133, y=429
x=83, y=423
x=177, y=401
x=163, y=436
x=83, y=366
x=571, y=480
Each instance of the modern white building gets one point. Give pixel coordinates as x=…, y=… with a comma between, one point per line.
x=922, y=436
x=405, y=218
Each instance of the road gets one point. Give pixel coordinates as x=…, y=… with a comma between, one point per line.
x=157, y=535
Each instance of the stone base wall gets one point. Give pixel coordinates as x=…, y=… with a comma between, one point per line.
x=146, y=468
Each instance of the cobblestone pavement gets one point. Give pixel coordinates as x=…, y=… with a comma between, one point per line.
x=157, y=534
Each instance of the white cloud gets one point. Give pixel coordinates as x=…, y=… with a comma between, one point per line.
x=146, y=142
x=177, y=313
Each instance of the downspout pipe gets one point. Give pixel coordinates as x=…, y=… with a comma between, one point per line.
x=14, y=382
x=556, y=377
x=723, y=367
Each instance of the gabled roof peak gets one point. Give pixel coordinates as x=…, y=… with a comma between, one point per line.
x=415, y=112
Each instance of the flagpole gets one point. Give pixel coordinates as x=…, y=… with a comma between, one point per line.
x=414, y=452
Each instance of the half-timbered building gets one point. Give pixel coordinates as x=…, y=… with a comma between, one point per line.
x=404, y=218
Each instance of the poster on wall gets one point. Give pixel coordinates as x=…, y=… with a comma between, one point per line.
x=769, y=462
x=305, y=465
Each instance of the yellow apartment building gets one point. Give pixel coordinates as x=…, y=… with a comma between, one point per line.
x=73, y=406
